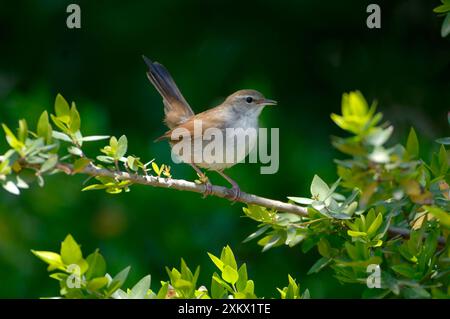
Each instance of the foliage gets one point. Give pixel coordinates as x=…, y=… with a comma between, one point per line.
x=80, y=277
x=39, y=151
x=444, y=9
x=379, y=186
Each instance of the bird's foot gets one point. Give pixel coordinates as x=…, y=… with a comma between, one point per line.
x=208, y=190
x=235, y=193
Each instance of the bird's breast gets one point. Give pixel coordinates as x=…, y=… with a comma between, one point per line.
x=230, y=146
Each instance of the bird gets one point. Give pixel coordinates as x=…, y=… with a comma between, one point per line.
x=240, y=110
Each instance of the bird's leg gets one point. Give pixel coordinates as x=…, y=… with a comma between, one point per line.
x=204, y=180
x=235, y=187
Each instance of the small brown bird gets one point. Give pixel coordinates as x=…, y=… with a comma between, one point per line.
x=240, y=110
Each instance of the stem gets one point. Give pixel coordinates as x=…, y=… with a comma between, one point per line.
x=218, y=191
x=183, y=185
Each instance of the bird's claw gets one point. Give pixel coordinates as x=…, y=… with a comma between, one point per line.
x=236, y=194
x=208, y=189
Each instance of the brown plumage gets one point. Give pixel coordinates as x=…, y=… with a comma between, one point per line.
x=240, y=110
x=176, y=109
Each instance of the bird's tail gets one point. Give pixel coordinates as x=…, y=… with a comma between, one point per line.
x=176, y=109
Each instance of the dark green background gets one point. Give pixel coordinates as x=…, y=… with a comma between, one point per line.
x=304, y=54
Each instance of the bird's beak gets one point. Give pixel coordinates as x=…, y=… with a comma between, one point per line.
x=267, y=102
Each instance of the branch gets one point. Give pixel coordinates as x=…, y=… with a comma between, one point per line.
x=183, y=185
x=218, y=191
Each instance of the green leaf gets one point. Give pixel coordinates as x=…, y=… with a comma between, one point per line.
x=186, y=273
x=270, y=241
x=444, y=140
x=379, y=155
x=51, y=258
x=97, y=283
x=105, y=159
x=156, y=169
x=21, y=183
x=429, y=249
x=44, y=129
x=5, y=169
x=70, y=251
x=174, y=274
x=93, y=138
x=319, y=265
x=219, y=263
x=292, y=291
x=416, y=293
x=94, y=187
x=23, y=130
x=222, y=283
x=217, y=290
x=375, y=225
x=412, y=144
x=250, y=289
x=11, y=187
x=404, y=270
x=259, y=213
x=60, y=124
x=443, y=216
x=229, y=274
x=61, y=136
x=445, y=29
x=80, y=164
x=257, y=233
x=62, y=109
x=242, y=278
x=75, y=120
x=162, y=293
x=122, y=146
x=443, y=160
x=227, y=257
x=97, y=265
x=301, y=200
x=442, y=8
x=357, y=103
x=324, y=248
x=12, y=139
x=118, y=280
x=182, y=284
x=113, y=143
x=319, y=189
x=75, y=151
x=139, y=291
x=49, y=164
x=356, y=233
x=379, y=136
x=59, y=276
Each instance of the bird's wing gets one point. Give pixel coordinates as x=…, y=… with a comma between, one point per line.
x=209, y=119
x=176, y=109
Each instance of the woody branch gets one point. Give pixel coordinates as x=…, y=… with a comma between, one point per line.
x=218, y=191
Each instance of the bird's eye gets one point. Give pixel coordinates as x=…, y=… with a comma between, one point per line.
x=249, y=99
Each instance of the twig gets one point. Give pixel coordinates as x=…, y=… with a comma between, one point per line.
x=183, y=185
x=218, y=191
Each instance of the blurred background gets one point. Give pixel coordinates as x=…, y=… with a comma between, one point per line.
x=304, y=54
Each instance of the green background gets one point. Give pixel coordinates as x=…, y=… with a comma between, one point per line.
x=304, y=54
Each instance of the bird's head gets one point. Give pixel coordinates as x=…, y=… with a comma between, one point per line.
x=248, y=100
